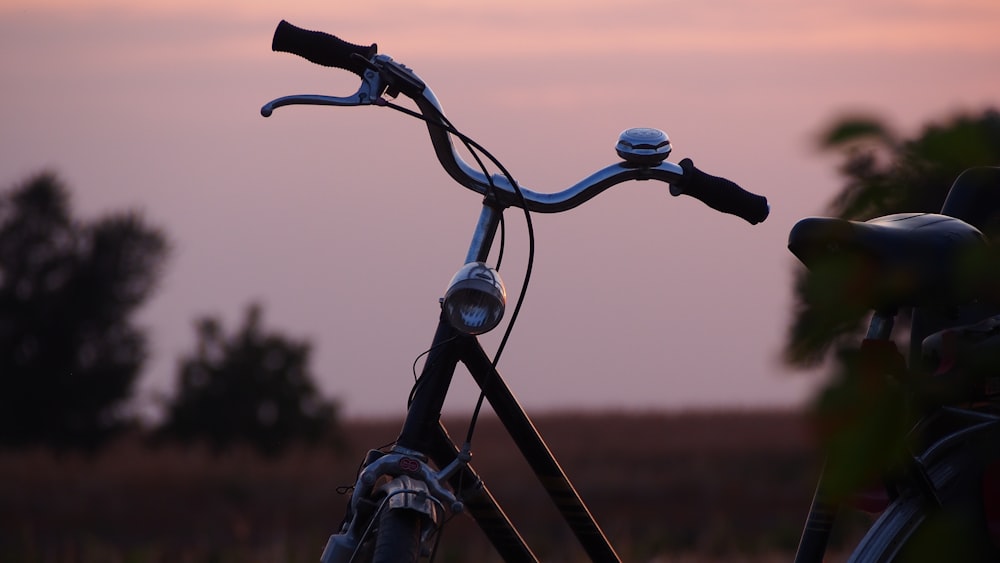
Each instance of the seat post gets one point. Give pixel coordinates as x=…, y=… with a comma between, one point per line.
x=824, y=510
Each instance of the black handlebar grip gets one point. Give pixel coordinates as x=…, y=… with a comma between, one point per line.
x=722, y=194
x=321, y=48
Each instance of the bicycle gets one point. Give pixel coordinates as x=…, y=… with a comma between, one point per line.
x=938, y=492
x=406, y=491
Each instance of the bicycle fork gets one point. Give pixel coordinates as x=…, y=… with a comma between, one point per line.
x=404, y=481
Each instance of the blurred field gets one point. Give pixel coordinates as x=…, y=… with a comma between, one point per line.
x=730, y=486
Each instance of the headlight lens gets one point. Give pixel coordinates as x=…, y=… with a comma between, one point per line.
x=475, y=300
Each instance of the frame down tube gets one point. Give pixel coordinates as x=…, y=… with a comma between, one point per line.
x=423, y=432
x=536, y=452
x=479, y=503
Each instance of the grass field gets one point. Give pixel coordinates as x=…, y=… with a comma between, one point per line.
x=698, y=486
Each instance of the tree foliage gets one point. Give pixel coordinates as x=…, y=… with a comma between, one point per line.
x=864, y=410
x=885, y=173
x=251, y=387
x=69, y=351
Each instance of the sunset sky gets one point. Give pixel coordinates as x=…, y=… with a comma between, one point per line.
x=341, y=223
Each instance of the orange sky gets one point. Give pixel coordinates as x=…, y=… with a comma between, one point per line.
x=316, y=212
x=524, y=27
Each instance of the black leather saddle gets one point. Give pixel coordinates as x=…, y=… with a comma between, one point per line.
x=906, y=259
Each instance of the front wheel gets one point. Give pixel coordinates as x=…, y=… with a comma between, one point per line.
x=398, y=536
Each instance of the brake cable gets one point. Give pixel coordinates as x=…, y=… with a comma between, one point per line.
x=472, y=146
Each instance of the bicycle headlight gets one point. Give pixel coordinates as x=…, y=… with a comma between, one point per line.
x=475, y=300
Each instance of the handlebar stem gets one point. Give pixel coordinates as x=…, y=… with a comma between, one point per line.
x=486, y=228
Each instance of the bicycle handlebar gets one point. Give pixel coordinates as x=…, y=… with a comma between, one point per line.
x=381, y=75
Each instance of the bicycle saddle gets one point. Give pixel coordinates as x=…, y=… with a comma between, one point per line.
x=905, y=259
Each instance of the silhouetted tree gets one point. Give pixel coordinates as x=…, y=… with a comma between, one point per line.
x=251, y=387
x=69, y=353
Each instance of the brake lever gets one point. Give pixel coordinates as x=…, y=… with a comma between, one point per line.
x=384, y=76
x=368, y=93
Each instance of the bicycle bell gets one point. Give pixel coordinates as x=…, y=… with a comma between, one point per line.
x=643, y=146
x=475, y=300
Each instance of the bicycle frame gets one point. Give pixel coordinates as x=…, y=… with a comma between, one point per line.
x=488, y=515
x=423, y=433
